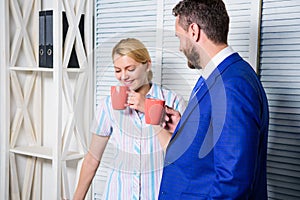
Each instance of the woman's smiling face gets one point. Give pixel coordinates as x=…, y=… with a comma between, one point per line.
x=131, y=73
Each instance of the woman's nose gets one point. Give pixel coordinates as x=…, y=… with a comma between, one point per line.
x=124, y=75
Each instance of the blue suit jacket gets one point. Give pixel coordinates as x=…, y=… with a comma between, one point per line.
x=218, y=150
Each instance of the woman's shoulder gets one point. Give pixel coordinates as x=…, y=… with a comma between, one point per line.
x=168, y=92
x=162, y=89
x=171, y=97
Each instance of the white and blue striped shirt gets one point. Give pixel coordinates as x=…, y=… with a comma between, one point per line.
x=137, y=164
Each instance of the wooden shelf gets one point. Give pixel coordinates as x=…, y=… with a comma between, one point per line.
x=45, y=69
x=33, y=69
x=35, y=151
x=44, y=152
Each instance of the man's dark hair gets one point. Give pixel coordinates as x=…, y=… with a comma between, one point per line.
x=210, y=15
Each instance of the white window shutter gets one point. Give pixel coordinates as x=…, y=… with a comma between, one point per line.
x=116, y=20
x=280, y=74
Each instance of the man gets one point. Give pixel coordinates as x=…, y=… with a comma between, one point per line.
x=218, y=149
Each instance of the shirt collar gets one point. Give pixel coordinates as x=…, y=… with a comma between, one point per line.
x=155, y=92
x=216, y=60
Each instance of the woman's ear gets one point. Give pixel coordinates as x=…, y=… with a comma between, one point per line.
x=194, y=31
x=149, y=65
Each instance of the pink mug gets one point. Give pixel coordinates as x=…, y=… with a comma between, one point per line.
x=154, y=111
x=119, y=97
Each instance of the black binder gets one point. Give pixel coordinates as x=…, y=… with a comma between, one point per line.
x=42, y=47
x=49, y=38
x=46, y=39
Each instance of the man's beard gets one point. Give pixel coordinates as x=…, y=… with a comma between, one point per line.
x=193, y=58
x=190, y=65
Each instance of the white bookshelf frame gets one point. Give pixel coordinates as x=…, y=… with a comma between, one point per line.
x=26, y=120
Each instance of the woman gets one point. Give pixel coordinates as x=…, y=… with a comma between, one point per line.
x=136, y=169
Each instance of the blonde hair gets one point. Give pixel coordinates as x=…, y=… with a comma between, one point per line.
x=134, y=49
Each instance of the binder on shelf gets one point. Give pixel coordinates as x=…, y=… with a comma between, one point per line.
x=42, y=47
x=49, y=38
x=46, y=39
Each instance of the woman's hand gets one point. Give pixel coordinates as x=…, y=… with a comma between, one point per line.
x=136, y=101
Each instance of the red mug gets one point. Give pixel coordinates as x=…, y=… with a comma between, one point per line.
x=154, y=111
x=119, y=97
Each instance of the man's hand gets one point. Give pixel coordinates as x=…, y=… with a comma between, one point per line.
x=171, y=119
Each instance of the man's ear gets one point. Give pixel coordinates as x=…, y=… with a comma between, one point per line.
x=194, y=31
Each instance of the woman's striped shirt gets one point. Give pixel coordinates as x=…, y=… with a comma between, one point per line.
x=136, y=167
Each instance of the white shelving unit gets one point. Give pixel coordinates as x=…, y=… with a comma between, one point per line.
x=46, y=111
